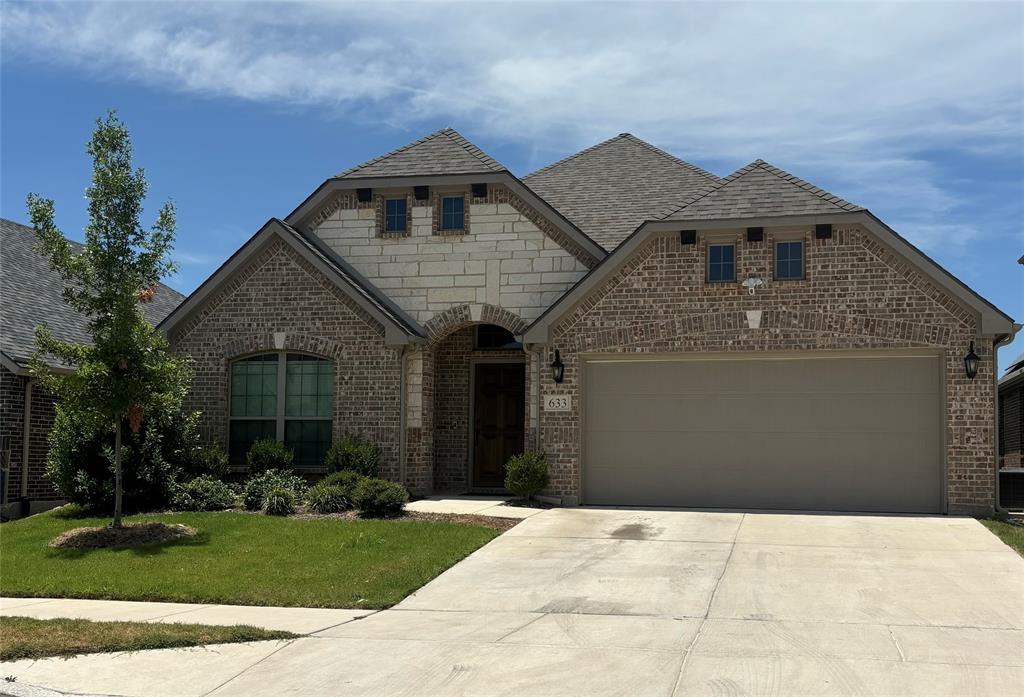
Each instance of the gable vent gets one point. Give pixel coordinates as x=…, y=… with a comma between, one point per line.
x=687, y=237
x=823, y=231
x=755, y=234
x=479, y=191
x=422, y=193
x=364, y=195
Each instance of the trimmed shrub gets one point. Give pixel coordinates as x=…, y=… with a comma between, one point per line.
x=279, y=501
x=378, y=498
x=208, y=460
x=346, y=479
x=268, y=454
x=80, y=462
x=258, y=486
x=203, y=493
x=353, y=453
x=325, y=498
x=526, y=474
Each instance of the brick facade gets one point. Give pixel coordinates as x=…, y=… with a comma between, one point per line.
x=1011, y=425
x=279, y=301
x=856, y=295
x=12, y=415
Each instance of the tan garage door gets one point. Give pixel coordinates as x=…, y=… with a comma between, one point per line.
x=818, y=432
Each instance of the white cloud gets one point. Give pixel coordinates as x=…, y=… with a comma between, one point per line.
x=806, y=86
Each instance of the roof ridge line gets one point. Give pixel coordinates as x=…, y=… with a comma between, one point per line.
x=826, y=196
x=669, y=156
x=473, y=149
x=375, y=160
x=722, y=183
x=565, y=159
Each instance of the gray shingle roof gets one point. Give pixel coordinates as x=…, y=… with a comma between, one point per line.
x=441, y=152
x=30, y=294
x=760, y=190
x=1014, y=372
x=610, y=188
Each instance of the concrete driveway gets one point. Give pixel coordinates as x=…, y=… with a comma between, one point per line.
x=627, y=602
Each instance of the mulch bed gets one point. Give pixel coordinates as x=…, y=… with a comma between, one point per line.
x=130, y=535
x=499, y=524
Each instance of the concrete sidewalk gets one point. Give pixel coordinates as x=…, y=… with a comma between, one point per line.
x=299, y=620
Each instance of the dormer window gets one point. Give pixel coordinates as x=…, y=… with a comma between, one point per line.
x=395, y=212
x=453, y=213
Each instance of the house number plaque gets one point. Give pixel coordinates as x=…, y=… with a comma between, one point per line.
x=558, y=402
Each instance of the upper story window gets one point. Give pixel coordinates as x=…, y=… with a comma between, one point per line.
x=395, y=211
x=721, y=263
x=453, y=212
x=287, y=396
x=789, y=260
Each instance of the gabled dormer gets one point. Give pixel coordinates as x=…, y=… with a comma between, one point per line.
x=438, y=223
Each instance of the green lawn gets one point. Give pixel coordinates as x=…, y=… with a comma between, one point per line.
x=26, y=637
x=239, y=558
x=1010, y=533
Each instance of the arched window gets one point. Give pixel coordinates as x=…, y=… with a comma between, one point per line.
x=287, y=396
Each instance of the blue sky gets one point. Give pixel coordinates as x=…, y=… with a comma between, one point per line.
x=238, y=111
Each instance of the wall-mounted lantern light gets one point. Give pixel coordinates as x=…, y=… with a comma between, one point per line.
x=971, y=361
x=557, y=367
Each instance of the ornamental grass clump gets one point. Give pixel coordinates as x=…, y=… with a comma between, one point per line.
x=526, y=474
x=327, y=498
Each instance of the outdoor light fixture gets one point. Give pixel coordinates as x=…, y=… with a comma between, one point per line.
x=971, y=361
x=557, y=367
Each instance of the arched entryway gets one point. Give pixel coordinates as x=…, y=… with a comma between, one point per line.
x=480, y=409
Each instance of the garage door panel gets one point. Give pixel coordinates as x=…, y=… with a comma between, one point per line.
x=765, y=434
x=793, y=413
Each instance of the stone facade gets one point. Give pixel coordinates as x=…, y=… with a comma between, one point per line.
x=1011, y=425
x=280, y=301
x=856, y=295
x=12, y=420
x=510, y=257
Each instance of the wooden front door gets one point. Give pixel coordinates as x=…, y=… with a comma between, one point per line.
x=499, y=401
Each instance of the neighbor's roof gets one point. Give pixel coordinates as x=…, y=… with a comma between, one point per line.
x=760, y=190
x=441, y=152
x=1014, y=372
x=610, y=188
x=31, y=294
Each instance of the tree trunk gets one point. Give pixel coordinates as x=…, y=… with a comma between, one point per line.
x=117, y=475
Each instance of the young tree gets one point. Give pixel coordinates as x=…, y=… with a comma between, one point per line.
x=127, y=371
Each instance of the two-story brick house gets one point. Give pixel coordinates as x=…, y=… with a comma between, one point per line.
x=666, y=336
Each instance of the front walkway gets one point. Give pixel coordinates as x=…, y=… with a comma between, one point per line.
x=470, y=504
x=646, y=603
x=298, y=620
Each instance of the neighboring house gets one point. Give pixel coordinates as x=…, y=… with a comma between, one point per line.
x=1011, y=414
x=30, y=295
x=665, y=336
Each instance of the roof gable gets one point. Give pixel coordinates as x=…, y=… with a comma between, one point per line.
x=760, y=190
x=31, y=293
x=398, y=326
x=610, y=188
x=441, y=152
